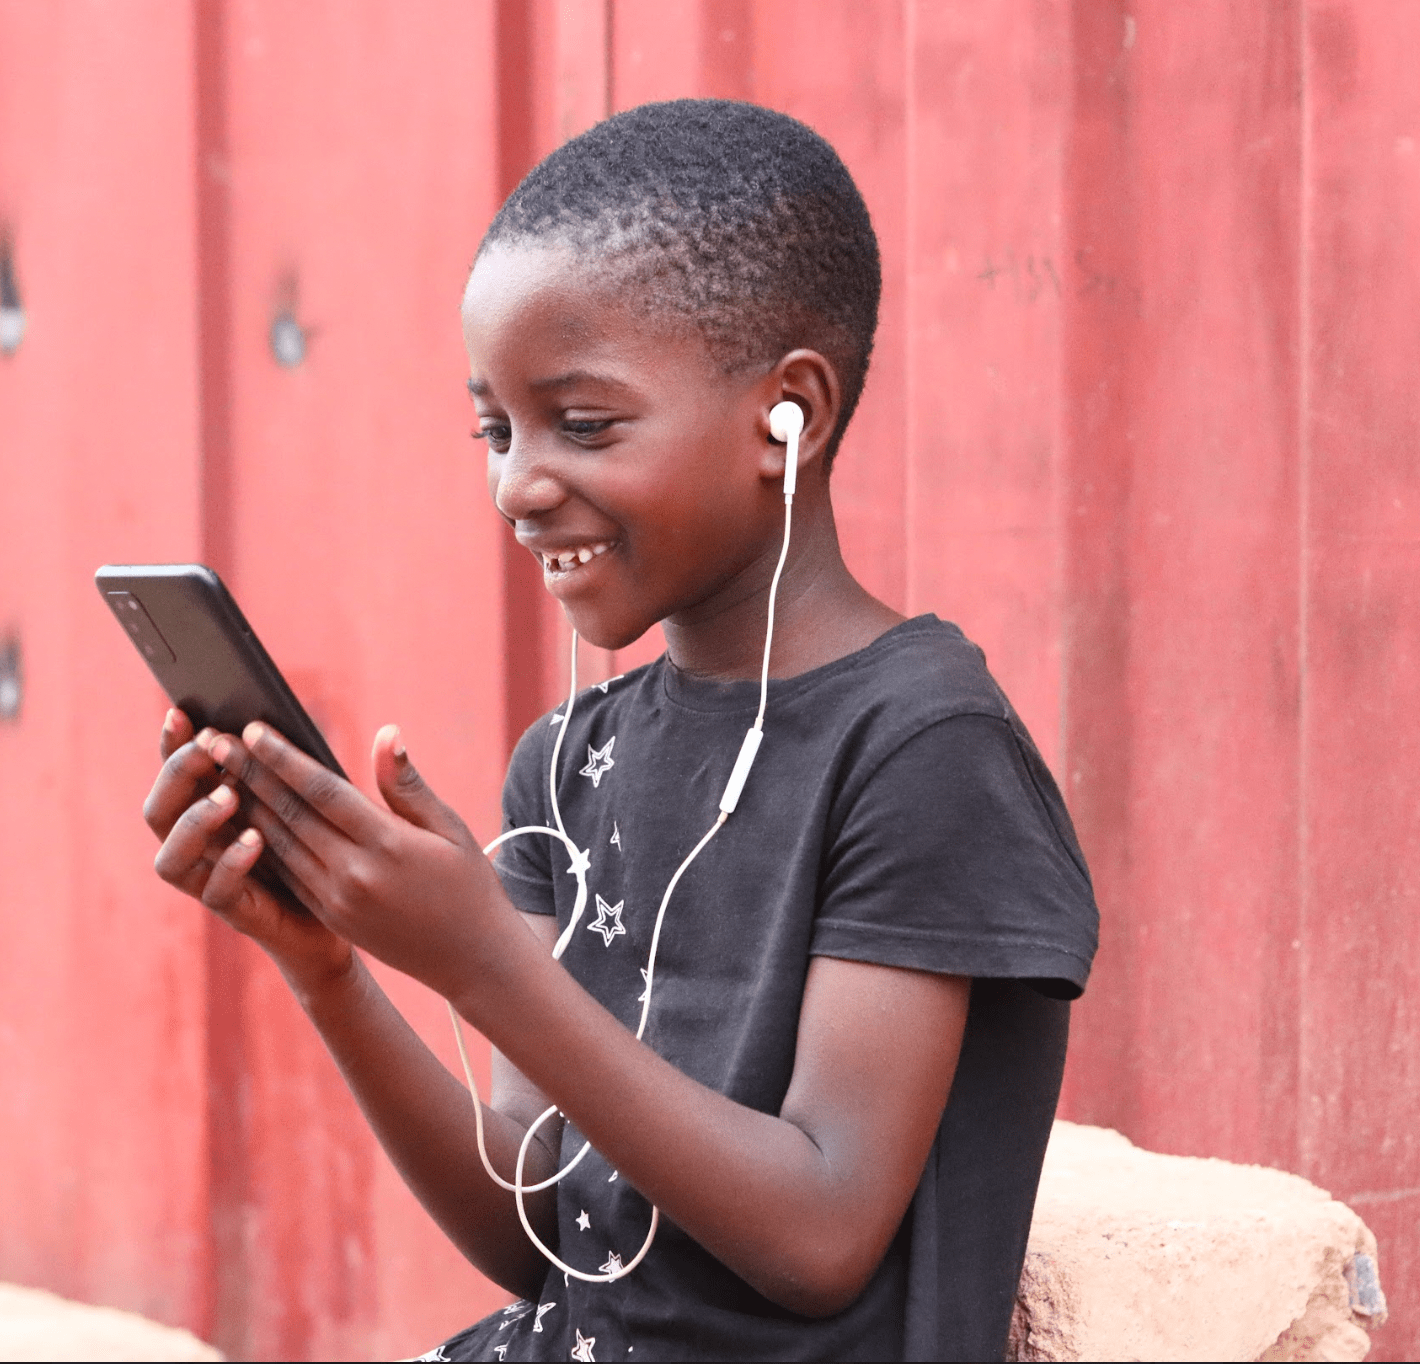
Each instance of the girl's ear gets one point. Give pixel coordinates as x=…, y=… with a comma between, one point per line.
x=807, y=378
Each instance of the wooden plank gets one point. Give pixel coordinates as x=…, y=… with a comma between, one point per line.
x=103, y=1168
x=1361, y=577
x=368, y=558
x=989, y=91
x=841, y=68
x=1183, y=669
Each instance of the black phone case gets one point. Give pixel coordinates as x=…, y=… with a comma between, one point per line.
x=204, y=654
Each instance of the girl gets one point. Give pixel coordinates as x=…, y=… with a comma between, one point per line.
x=813, y=1044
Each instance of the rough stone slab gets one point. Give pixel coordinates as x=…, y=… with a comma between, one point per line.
x=1135, y=1255
x=42, y=1326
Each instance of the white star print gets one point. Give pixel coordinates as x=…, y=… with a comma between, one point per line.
x=608, y=922
x=646, y=980
x=584, y=1222
x=615, y=1174
x=599, y=762
x=604, y=685
x=556, y=718
x=581, y=862
x=514, y=1312
x=542, y=1310
x=582, y=1350
x=612, y=1265
x=616, y=835
x=501, y=1350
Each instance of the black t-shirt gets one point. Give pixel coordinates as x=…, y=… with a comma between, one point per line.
x=898, y=813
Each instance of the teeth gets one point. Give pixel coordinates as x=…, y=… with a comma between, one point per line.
x=571, y=558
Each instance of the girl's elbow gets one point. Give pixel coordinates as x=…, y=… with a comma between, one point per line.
x=824, y=1282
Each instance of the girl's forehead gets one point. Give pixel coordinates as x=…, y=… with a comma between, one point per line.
x=525, y=303
x=543, y=279
x=540, y=288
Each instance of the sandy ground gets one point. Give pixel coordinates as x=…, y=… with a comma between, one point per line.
x=38, y=1325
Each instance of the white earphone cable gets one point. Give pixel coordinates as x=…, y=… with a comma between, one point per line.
x=580, y=863
x=773, y=595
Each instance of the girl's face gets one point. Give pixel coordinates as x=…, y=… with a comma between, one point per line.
x=636, y=471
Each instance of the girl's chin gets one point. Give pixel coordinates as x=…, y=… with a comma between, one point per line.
x=604, y=629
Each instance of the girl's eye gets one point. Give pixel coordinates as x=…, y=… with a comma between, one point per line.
x=499, y=435
x=584, y=430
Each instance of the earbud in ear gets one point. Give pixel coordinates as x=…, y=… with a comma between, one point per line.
x=786, y=420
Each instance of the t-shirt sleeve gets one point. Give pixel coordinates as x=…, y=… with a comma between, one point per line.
x=524, y=864
x=957, y=855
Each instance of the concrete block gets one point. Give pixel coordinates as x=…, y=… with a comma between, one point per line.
x=1135, y=1255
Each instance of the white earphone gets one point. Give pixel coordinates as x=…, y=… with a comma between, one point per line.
x=786, y=421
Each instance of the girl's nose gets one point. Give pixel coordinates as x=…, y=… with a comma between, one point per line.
x=522, y=485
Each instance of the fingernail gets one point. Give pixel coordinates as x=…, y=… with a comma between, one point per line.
x=220, y=750
x=397, y=748
x=250, y=838
x=223, y=796
x=204, y=739
x=253, y=734
x=170, y=722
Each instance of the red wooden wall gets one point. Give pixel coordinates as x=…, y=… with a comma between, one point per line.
x=1143, y=419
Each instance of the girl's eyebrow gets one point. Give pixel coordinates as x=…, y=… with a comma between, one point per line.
x=479, y=388
x=576, y=376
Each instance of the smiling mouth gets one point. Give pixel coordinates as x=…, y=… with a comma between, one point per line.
x=570, y=560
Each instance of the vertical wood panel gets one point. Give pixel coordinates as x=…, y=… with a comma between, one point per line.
x=102, y=1114
x=989, y=94
x=841, y=68
x=1099, y=340
x=369, y=561
x=1185, y=280
x=656, y=50
x=1361, y=871
x=572, y=75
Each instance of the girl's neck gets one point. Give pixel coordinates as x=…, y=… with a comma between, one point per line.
x=822, y=613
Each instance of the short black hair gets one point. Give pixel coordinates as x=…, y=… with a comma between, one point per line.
x=742, y=220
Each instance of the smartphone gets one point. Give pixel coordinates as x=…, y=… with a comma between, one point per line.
x=205, y=656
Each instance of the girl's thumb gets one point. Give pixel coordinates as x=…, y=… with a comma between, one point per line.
x=407, y=793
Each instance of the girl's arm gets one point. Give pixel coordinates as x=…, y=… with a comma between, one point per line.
x=422, y=1116
x=802, y=1204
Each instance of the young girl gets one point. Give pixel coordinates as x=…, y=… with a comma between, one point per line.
x=814, y=1044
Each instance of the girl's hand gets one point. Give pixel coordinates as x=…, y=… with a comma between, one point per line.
x=190, y=808
x=408, y=884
